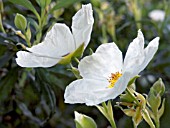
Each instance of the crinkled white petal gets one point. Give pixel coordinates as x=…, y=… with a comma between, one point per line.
x=27, y=59
x=135, y=54
x=82, y=25
x=58, y=42
x=106, y=60
x=93, y=92
x=157, y=15
x=149, y=52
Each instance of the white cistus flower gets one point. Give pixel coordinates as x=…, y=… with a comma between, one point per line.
x=106, y=75
x=157, y=15
x=59, y=41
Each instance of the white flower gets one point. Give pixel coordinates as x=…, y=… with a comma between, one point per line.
x=157, y=15
x=59, y=41
x=106, y=75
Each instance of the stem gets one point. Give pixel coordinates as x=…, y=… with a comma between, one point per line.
x=132, y=96
x=77, y=60
x=110, y=118
x=157, y=123
x=112, y=122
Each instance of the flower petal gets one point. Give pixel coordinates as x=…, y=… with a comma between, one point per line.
x=27, y=59
x=82, y=91
x=135, y=54
x=93, y=92
x=82, y=25
x=58, y=42
x=106, y=60
x=149, y=52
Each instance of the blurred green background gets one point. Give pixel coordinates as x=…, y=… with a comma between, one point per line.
x=34, y=97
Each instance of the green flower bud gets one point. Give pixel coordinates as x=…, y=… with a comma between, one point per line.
x=83, y=121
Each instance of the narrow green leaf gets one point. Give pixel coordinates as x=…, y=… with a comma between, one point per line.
x=7, y=83
x=28, y=32
x=147, y=118
x=1, y=25
x=110, y=110
x=102, y=110
x=63, y=4
x=5, y=58
x=161, y=110
x=47, y=92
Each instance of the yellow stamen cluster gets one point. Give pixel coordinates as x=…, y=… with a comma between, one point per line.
x=113, y=79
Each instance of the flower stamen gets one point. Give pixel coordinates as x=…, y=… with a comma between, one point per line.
x=113, y=79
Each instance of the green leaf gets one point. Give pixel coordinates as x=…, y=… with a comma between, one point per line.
x=147, y=118
x=28, y=32
x=27, y=4
x=5, y=58
x=7, y=84
x=161, y=110
x=137, y=118
x=47, y=92
x=158, y=87
x=1, y=25
x=43, y=3
x=133, y=80
x=75, y=71
x=49, y=78
x=154, y=102
x=20, y=22
x=102, y=110
x=63, y=4
x=77, y=53
x=110, y=110
x=126, y=98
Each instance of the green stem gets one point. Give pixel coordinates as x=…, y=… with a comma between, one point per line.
x=77, y=60
x=157, y=122
x=132, y=96
x=112, y=122
x=110, y=118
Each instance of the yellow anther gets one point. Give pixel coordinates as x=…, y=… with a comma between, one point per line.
x=113, y=79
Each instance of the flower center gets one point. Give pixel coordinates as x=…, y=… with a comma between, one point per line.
x=113, y=79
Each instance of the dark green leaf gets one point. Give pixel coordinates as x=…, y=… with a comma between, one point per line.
x=7, y=84
x=63, y=4
x=27, y=4
x=5, y=58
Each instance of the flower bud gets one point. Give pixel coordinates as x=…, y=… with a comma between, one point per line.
x=83, y=121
